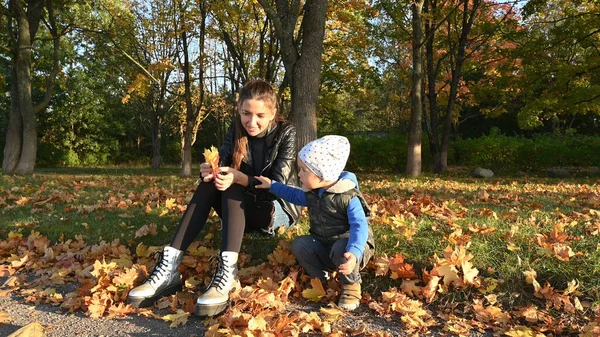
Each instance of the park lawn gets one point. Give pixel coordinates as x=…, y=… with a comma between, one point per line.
x=531, y=240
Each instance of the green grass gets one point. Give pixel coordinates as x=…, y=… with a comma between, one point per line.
x=113, y=203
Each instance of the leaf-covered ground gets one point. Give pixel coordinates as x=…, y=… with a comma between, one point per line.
x=516, y=257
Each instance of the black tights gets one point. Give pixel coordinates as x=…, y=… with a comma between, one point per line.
x=228, y=204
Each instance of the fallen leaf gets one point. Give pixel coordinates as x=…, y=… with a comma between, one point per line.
x=33, y=329
x=177, y=319
x=316, y=292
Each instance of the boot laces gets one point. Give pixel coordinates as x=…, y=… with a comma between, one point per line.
x=160, y=268
x=219, y=280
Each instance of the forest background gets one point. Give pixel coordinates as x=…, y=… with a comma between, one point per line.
x=508, y=85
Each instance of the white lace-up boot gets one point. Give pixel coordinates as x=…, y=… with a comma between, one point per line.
x=216, y=299
x=163, y=281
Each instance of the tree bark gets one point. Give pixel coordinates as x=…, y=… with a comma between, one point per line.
x=14, y=131
x=28, y=151
x=468, y=17
x=413, y=163
x=21, y=140
x=193, y=116
x=302, y=61
x=432, y=70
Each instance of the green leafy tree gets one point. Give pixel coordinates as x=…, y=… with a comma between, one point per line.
x=561, y=64
x=23, y=20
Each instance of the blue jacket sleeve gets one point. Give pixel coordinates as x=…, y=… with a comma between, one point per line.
x=359, y=228
x=289, y=193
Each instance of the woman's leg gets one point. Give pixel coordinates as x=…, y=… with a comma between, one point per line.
x=205, y=197
x=234, y=220
x=216, y=298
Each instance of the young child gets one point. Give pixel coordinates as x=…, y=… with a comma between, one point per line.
x=340, y=237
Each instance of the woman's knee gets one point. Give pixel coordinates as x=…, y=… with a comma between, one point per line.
x=235, y=192
x=204, y=191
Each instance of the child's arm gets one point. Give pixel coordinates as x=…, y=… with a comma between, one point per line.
x=359, y=232
x=289, y=193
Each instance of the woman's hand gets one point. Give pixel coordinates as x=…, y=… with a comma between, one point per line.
x=225, y=178
x=265, y=182
x=206, y=172
x=348, y=266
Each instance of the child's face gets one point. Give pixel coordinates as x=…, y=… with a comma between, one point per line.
x=308, y=178
x=256, y=116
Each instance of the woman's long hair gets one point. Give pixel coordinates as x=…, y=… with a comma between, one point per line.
x=259, y=90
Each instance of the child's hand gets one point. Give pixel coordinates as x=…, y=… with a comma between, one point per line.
x=265, y=183
x=348, y=266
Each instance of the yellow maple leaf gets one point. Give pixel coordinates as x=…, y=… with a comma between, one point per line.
x=257, y=323
x=448, y=272
x=316, y=292
x=142, y=250
x=282, y=255
x=211, y=156
x=177, y=319
x=170, y=203
x=470, y=273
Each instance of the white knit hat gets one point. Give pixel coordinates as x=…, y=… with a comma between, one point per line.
x=326, y=157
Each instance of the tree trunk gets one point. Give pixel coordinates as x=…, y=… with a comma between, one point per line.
x=156, y=139
x=413, y=163
x=193, y=115
x=186, y=146
x=468, y=17
x=21, y=139
x=307, y=72
x=432, y=126
x=302, y=69
x=23, y=82
x=14, y=131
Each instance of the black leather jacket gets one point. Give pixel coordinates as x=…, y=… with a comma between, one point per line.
x=280, y=163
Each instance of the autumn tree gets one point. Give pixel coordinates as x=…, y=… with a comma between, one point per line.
x=467, y=26
x=350, y=83
x=154, y=55
x=23, y=20
x=251, y=49
x=191, y=16
x=300, y=28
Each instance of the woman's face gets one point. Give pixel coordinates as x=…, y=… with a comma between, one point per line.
x=256, y=116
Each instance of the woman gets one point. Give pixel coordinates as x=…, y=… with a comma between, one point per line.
x=258, y=143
